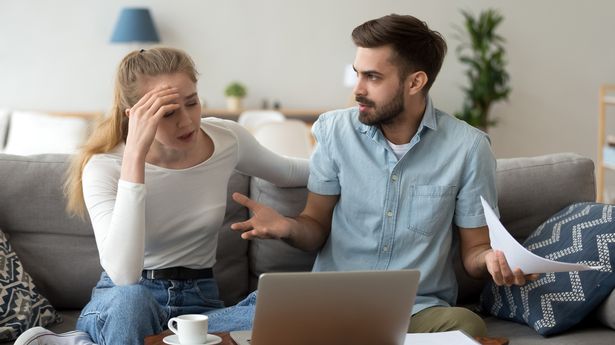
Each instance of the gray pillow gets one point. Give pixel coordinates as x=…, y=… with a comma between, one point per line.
x=606, y=311
x=21, y=306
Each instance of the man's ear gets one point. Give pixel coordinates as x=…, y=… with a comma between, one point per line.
x=416, y=82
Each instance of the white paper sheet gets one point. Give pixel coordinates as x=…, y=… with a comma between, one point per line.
x=452, y=337
x=517, y=255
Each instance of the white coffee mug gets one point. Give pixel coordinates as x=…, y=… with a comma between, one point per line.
x=191, y=328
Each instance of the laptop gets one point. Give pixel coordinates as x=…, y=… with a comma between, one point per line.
x=355, y=308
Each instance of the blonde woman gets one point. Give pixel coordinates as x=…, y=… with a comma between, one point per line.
x=153, y=178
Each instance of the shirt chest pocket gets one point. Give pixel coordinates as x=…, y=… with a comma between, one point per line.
x=431, y=208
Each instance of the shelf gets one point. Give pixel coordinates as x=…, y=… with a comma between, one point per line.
x=306, y=115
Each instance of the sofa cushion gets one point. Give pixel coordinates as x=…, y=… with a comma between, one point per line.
x=581, y=233
x=231, y=268
x=32, y=214
x=275, y=255
x=54, y=134
x=21, y=305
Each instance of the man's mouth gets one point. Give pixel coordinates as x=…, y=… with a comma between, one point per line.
x=364, y=103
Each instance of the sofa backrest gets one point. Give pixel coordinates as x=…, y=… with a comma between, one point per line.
x=60, y=252
x=57, y=251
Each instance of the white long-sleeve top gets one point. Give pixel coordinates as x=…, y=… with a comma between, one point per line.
x=173, y=219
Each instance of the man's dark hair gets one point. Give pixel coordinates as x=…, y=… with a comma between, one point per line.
x=415, y=46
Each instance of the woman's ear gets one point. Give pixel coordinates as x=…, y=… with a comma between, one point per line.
x=416, y=82
x=127, y=112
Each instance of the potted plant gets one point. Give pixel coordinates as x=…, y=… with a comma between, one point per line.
x=234, y=92
x=483, y=52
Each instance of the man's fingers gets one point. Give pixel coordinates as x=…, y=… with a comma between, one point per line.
x=248, y=235
x=245, y=201
x=507, y=274
x=519, y=277
x=242, y=226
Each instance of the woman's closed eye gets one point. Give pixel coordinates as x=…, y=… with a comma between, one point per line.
x=167, y=114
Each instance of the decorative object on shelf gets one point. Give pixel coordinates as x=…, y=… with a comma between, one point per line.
x=135, y=25
x=606, y=143
x=483, y=52
x=350, y=80
x=234, y=93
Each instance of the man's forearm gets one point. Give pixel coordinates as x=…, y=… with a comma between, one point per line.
x=475, y=263
x=306, y=233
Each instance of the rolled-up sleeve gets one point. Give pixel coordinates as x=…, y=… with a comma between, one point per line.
x=324, y=172
x=478, y=179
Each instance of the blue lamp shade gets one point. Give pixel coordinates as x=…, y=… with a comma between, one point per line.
x=135, y=25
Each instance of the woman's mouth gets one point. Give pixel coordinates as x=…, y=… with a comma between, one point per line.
x=186, y=136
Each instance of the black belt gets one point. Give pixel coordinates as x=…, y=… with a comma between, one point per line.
x=178, y=273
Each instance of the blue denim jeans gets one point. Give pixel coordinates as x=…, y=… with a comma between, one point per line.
x=127, y=314
x=236, y=318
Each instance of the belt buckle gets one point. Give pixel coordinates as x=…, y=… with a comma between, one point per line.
x=151, y=274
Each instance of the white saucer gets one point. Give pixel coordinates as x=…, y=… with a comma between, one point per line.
x=211, y=339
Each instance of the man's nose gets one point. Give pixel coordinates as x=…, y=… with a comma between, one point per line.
x=359, y=88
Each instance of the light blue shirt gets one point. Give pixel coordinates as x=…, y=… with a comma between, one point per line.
x=399, y=214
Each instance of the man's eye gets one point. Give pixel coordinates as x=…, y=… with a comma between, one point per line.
x=168, y=114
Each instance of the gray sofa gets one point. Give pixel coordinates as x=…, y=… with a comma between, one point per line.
x=60, y=252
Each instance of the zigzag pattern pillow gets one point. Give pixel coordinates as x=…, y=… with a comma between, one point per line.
x=580, y=233
x=21, y=306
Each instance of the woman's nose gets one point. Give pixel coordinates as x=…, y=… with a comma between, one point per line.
x=183, y=119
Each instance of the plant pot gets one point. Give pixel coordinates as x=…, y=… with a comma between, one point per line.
x=233, y=103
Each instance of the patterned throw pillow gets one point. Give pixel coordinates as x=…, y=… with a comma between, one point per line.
x=580, y=233
x=21, y=306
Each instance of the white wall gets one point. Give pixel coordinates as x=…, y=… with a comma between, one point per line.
x=56, y=55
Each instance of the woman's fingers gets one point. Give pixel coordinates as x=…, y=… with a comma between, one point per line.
x=154, y=99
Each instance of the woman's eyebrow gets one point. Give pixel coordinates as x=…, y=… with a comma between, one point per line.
x=190, y=96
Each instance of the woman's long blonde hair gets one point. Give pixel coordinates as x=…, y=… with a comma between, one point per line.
x=113, y=130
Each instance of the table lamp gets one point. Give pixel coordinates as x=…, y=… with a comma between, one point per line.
x=135, y=25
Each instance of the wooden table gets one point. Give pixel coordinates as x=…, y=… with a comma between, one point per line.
x=226, y=339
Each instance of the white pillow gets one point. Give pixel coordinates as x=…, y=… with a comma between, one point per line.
x=34, y=133
x=5, y=115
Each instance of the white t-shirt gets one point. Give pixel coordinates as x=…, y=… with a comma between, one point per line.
x=400, y=150
x=173, y=219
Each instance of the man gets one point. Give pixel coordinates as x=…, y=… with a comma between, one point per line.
x=390, y=179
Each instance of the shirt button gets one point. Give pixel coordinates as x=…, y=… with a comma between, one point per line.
x=389, y=214
x=394, y=177
x=385, y=248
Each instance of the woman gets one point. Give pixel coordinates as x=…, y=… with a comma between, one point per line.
x=153, y=178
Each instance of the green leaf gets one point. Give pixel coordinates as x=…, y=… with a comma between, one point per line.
x=481, y=49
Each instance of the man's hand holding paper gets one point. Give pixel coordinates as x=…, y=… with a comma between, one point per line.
x=521, y=260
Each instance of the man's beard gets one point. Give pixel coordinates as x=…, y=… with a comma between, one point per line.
x=382, y=115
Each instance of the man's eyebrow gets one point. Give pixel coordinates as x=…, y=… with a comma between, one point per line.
x=366, y=72
x=190, y=96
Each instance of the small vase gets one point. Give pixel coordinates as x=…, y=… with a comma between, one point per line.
x=233, y=103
